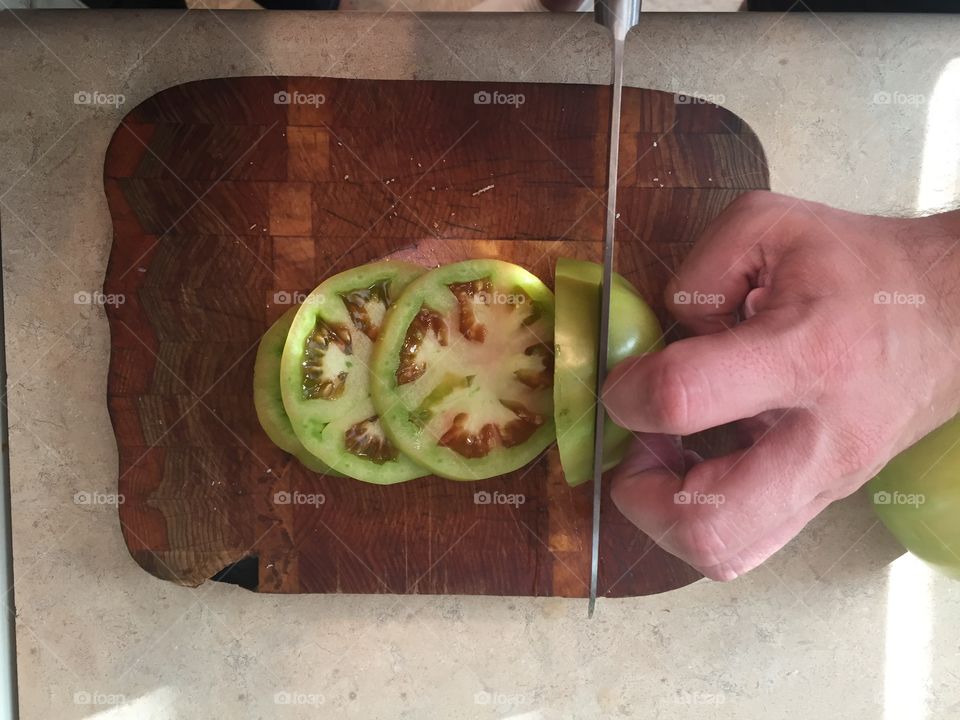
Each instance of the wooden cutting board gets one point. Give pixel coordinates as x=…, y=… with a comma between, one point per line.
x=232, y=197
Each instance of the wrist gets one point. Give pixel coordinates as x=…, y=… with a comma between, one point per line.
x=933, y=245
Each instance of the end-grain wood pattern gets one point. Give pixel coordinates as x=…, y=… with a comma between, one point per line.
x=231, y=198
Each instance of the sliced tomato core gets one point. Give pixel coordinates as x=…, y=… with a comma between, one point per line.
x=367, y=306
x=494, y=326
x=366, y=439
x=426, y=323
x=325, y=361
x=424, y=412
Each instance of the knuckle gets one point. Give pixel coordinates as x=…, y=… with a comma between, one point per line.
x=856, y=454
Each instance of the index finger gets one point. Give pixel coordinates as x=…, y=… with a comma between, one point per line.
x=728, y=261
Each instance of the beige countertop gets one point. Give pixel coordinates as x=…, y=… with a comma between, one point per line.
x=861, y=112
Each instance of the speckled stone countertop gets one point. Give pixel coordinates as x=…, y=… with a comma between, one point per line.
x=861, y=112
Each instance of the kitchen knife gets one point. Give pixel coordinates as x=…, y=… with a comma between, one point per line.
x=619, y=17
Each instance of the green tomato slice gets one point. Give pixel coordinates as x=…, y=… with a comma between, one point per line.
x=917, y=496
x=463, y=369
x=325, y=378
x=634, y=330
x=268, y=401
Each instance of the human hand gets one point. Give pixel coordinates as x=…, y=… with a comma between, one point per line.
x=832, y=338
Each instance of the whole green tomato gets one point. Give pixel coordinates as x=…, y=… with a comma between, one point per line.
x=917, y=496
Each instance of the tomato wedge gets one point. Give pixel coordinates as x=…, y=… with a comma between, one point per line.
x=324, y=373
x=462, y=372
x=634, y=330
x=267, y=399
x=918, y=498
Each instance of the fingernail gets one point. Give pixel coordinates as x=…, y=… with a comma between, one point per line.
x=752, y=302
x=691, y=458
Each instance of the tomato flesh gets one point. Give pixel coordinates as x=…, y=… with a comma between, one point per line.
x=268, y=400
x=324, y=374
x=463, y=369
x=367, y=306
x=366, y=439
x=325, y=361
x=426, y=323
x=634, y=330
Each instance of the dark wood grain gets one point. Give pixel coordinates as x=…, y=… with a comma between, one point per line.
x=222, y=198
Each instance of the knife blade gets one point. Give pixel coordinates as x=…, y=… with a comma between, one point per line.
x=619, y=17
